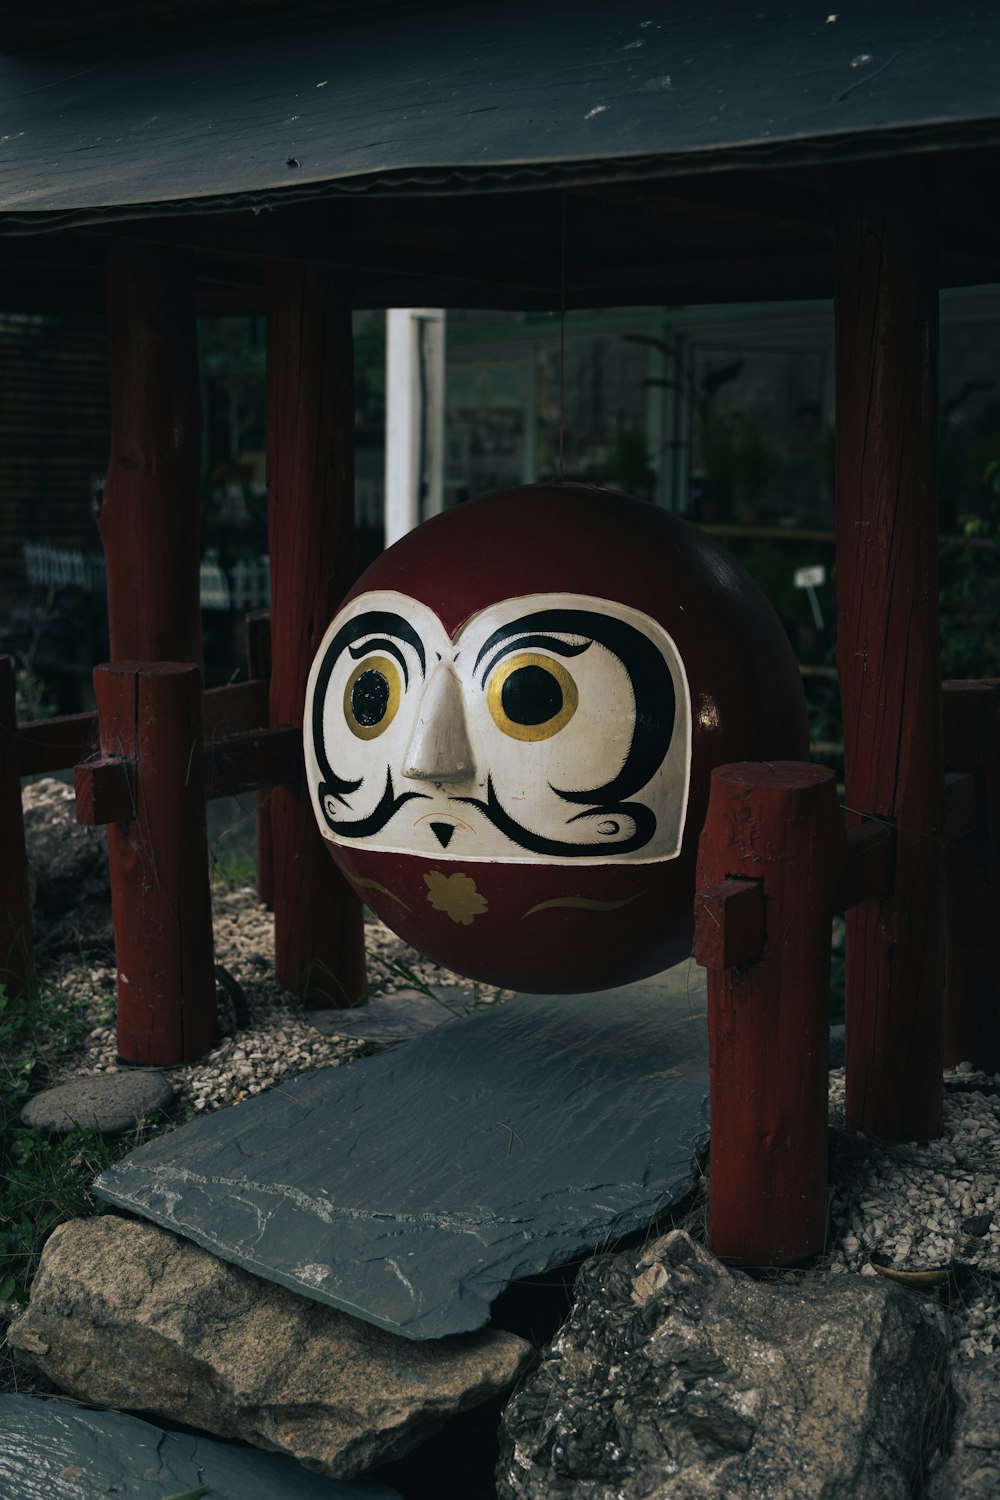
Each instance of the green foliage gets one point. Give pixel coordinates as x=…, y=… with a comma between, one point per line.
x=629, y=466
x=232, y=868
x=32, y=696
x=46, y=1182
x=741, y=466
x=46, y=1178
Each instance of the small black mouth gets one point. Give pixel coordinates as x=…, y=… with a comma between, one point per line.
x=443, y=833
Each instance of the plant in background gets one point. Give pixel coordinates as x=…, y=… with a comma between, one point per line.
x=32, y=696
x=629, y=464
x=970, y=589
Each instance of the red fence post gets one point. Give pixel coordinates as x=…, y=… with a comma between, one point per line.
x=16, y=971
x=888, y=648
x=151, y=716
x=149, y=518
x=319, y=939
x=258, y=635
x=778, y=826
x=972, y=957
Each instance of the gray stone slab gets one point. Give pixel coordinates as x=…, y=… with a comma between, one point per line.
x=108, y=1102
x=55, y=1450
x=396, y=1017
x=412, y=1187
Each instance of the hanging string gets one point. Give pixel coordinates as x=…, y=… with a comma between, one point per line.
x=562, y=341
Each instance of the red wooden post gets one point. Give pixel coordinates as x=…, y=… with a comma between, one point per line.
x=777, y=825
x=972, y=996
x=319, y=940
x=15, y=897
x=258, y=632
x=150, y=716
x=888, y=647
x=149, y=519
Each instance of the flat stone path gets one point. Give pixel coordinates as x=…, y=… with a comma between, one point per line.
x=107, y=1102
x=411, y=1188
x=55, y=1450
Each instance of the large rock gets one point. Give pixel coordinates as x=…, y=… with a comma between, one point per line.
x=972, y=1468
x=123, y=1314
x=67, y=861
x=677, y=1379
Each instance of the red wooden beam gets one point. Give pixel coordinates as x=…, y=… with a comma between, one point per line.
x=149, y=517
x=778, y=827
x=105, y=790
x=972, y=994
x=729, y=917
x=888, y=649
x=234, y=765
x=868, y=867
x=16, y=970
x=56, y=744
x=150, y=716
x=46, y=745
x=729, y=924
x=319, y=948
x=234, y=708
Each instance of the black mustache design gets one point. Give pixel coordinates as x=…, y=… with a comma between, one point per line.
x=643, y=817
x=362, y=828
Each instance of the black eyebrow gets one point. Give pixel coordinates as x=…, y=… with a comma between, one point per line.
x=516, y=639
x=384, y=644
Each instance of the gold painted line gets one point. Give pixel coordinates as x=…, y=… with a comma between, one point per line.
x=373, y=885
x=583, y=903
x=442, y=817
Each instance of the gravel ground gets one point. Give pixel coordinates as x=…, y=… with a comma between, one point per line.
x=265, y=1034
x=914, y=1209
x=903, y=1208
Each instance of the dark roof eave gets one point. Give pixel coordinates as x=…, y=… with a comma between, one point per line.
x=466, y=179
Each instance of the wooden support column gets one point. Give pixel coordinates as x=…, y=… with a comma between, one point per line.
x=888, y=649
x=258, y=635
x=319, y=941
x=16, y=970
x=770, y=857
x=149, y=519
x=151, y=726
x=972, y=958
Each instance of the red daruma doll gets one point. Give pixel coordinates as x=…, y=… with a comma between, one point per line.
x=512, y=721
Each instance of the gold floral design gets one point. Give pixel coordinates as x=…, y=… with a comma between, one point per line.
x=456, y=896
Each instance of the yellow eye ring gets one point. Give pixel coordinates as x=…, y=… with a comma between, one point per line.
x=545, y=685
x=370, y=707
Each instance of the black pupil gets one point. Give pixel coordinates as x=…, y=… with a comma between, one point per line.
x=370, y=698
x=531, y=695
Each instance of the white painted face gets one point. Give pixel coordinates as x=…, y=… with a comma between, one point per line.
x=552, y=728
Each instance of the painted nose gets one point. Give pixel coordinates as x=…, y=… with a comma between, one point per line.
x=439, y=748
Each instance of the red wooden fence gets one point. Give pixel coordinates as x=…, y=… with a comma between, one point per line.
x=153, y=763
x=318, y=933
x=888, y=654
x=917, y=868
x=773, y=845
x=775, y=863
